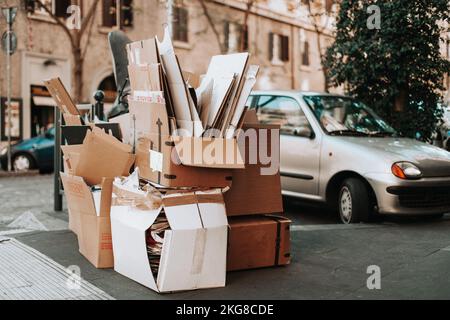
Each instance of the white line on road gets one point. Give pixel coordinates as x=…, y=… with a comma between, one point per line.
x=15, y=231
x=324, y=227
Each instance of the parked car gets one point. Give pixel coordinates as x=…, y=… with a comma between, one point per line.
x=336, y=150
x=32, y=154
x=443, y=131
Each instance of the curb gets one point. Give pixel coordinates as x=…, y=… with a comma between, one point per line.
x=5, y=174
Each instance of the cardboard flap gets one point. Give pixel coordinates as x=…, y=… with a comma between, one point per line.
x=103, y=156
x=72, y=120
x=106, y=196
x=143, y=52
x=209, y=152
x=182, y=211
x=212, y=208
x=61, y=96
x=78, y=194
x=129, y=243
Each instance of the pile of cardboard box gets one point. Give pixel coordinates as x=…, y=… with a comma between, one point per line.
x=195, y=205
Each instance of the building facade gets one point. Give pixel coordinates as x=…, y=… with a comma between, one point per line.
x=280, y=38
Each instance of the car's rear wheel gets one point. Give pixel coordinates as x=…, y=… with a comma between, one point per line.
x=23, y=163
x=354, y=201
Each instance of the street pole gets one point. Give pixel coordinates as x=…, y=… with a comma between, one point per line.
x=8, y=90
x=118, y=14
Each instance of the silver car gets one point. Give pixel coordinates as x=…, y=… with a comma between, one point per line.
x=336, y=150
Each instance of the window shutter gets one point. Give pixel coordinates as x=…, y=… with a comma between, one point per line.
x=329, y=5
x=226, y=33
x=244, y=33
x=184, y=24
x=305, y=55
x=271, y=35
x=284, y=48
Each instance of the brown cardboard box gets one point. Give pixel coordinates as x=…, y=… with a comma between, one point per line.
x=257, y=242
x=177, y=161
x=251, y=192
x=101, y=155
x=91, y=218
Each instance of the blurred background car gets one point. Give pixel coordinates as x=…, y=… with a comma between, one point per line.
x=32, y=154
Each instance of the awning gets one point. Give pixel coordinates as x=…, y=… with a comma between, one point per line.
x=43, y=101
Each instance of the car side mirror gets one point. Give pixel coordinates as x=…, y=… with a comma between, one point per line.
x=305, y=132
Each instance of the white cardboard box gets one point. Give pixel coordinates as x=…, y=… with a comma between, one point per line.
x=194, y=250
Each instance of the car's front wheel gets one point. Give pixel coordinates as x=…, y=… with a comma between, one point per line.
x=354, y=201
x=22, y=163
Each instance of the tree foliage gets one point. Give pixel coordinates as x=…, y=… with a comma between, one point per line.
x=397, y=69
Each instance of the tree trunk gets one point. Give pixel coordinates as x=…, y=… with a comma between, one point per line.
x=245, y=25
x=77, y=70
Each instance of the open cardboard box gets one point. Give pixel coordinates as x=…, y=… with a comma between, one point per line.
x=194, y=249
x=90, y=218
x=180, y=161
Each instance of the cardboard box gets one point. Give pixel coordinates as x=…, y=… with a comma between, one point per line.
x=90, y=216
x=257, y=242
x=251, y=192
x=194, y=249
x=100, y=156
x=179, y=161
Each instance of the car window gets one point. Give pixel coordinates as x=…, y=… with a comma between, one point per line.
x=249, y=102
x=283, y=111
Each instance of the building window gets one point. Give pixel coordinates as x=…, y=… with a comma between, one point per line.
x=329, y=5
x=305, y=53
x=233, y=33
x=110, y=13
x=58, y=8
x=180, y=24
x=278, y=48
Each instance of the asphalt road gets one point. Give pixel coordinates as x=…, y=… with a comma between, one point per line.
x=330, y=261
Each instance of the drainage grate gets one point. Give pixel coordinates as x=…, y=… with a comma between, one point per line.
x=26, y=274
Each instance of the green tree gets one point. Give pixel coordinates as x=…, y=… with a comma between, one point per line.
x=395, y=67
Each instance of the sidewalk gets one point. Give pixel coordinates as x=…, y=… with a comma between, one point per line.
x=329, y=261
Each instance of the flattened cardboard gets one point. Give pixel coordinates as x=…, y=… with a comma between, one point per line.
x=145, y=77
x=180, y=97
x=91, y=223
x=251, y=192
x=102, y=156
x=193, y=255
x=61, y=96
x=258, y=242
x=250, y=81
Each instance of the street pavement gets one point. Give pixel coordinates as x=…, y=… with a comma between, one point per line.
x=330, y=261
